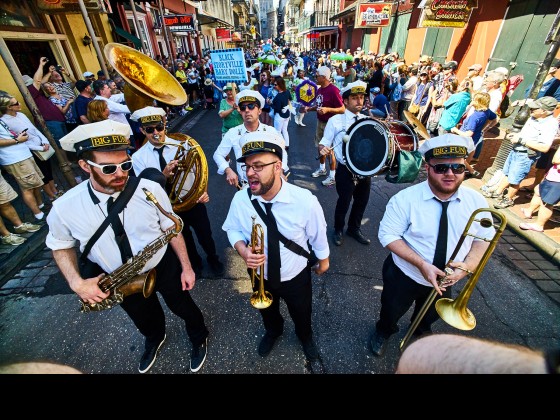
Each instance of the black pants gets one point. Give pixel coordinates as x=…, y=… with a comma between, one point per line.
x=197, y=219
x=399, y=293
x=347, y=190
x=297, y=293
x=147, y=313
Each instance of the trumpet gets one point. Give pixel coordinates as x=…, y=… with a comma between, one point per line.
x=260, y=298
x=455, y=312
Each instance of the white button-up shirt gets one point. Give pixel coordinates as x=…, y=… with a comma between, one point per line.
x=74, y=218
x=299, y=217
x=413, y=215
x=231, y=140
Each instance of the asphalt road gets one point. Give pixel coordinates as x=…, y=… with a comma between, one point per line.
x=47, y=326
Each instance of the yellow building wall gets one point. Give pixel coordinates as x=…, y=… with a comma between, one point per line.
x=81, y=58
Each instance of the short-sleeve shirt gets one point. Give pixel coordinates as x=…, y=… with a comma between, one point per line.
x=329, y=97
x=475, y=123
x=48, y=110
x=81, y=104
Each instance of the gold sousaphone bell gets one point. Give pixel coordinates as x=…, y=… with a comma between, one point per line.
x=146, y=81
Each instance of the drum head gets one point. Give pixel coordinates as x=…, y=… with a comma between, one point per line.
x=367, y=149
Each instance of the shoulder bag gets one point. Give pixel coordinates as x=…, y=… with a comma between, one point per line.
x=44, y=154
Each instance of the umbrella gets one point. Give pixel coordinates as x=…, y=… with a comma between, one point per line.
x=338, y=56
x=270, y=59
x=306, y=92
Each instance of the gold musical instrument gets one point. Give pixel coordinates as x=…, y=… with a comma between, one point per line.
x=145, y=78
x=455, y=312
x=190, y=180
x=125, y=280
x=260, y=299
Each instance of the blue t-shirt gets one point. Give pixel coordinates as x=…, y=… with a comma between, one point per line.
x=476, y=121
x=381, y=103
x=455, y=107
x=81, y=104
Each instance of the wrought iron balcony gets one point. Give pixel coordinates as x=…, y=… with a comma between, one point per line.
x=314, y=20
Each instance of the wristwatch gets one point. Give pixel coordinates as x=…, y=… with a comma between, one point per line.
x=17, y=141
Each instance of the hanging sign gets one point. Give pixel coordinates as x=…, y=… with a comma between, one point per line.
x=223, y=34
x=179, y=23
x=446, y=13
x=372, y=15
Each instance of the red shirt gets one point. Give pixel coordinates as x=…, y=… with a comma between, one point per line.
x=329, y=97
x=48, y=110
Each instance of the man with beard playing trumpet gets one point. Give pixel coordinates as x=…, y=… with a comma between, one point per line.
x=156, y=161
x=102, y=150
x=291, y=211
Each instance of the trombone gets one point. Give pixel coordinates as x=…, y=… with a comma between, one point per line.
x=455, y=312
x=260, y=299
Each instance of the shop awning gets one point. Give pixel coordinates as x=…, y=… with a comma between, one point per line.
x=207, y=19
x=127, y=35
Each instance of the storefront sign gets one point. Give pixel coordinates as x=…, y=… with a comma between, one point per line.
x=446, y=13
x=236, y=37
x=229, y=65
x=313, y=35
x=179, y=23
x=66, y=6
x=372, y=15
x=223, y=34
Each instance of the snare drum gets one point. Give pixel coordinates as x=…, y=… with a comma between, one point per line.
x=371, y=145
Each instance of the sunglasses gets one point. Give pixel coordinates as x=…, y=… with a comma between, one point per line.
x=250, y=106
x=442, y=168
x=112, y=167
x=150, y=130
x=15, y=104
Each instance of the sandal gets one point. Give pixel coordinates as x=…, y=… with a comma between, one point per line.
x=526, y=213
x=531, y=226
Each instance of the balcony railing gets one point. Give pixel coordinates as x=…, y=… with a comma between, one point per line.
x=314, y=20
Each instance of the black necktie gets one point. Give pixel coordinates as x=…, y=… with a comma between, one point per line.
x=120, y=234
x=273, y=242
x=162, y=162
x=440, y=256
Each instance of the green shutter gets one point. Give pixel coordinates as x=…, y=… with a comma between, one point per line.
x=394, y=36
x=436, y=43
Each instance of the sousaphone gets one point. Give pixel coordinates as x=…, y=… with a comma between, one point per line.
x=148, y=81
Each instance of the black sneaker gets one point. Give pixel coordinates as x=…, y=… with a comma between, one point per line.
x=310, y=350
x=337, y=237
x=149, y=356
x=378, y=344
x=359, y=236
x=198, y=356
x=266, y=345
x=217, y=267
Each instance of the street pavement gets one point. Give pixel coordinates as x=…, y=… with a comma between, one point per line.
x=516, y=299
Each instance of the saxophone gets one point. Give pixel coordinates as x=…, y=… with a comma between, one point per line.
x=125, y=280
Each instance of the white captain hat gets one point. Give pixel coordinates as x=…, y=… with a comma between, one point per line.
x=249, y=95
x=354, y=88
x=107, y=135
x=148, y=115
x=447, y=146
x=261, y=142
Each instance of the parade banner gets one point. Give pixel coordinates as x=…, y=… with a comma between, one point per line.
x=223, y=34
x=372, y=15
x=446, y=13
x=229, y=65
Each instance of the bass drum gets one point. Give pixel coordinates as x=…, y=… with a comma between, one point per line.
x=370, y=145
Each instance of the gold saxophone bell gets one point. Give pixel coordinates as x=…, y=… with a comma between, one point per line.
x=455, y=312
x=260, y=299
x=147, y=80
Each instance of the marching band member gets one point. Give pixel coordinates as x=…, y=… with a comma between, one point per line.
x=291, y=211
x=102, y=150
x=411, y=228
x=249, y=104
x=152, y=125
x=348, y=185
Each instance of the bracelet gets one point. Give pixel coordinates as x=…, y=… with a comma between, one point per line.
x=16, y=140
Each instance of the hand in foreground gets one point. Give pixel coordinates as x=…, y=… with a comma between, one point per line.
x=88, y=289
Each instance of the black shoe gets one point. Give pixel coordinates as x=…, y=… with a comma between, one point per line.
x=198, y=356
x=217, y=267
x=357, y=235
x=337, y=237
x=378, y=344
x=149, y=356
x=310, y=350
x=266, y=344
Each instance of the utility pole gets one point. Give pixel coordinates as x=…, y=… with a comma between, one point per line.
x=552, y=39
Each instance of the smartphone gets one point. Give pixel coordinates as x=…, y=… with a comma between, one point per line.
x=24, y=131
x=58, y=68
